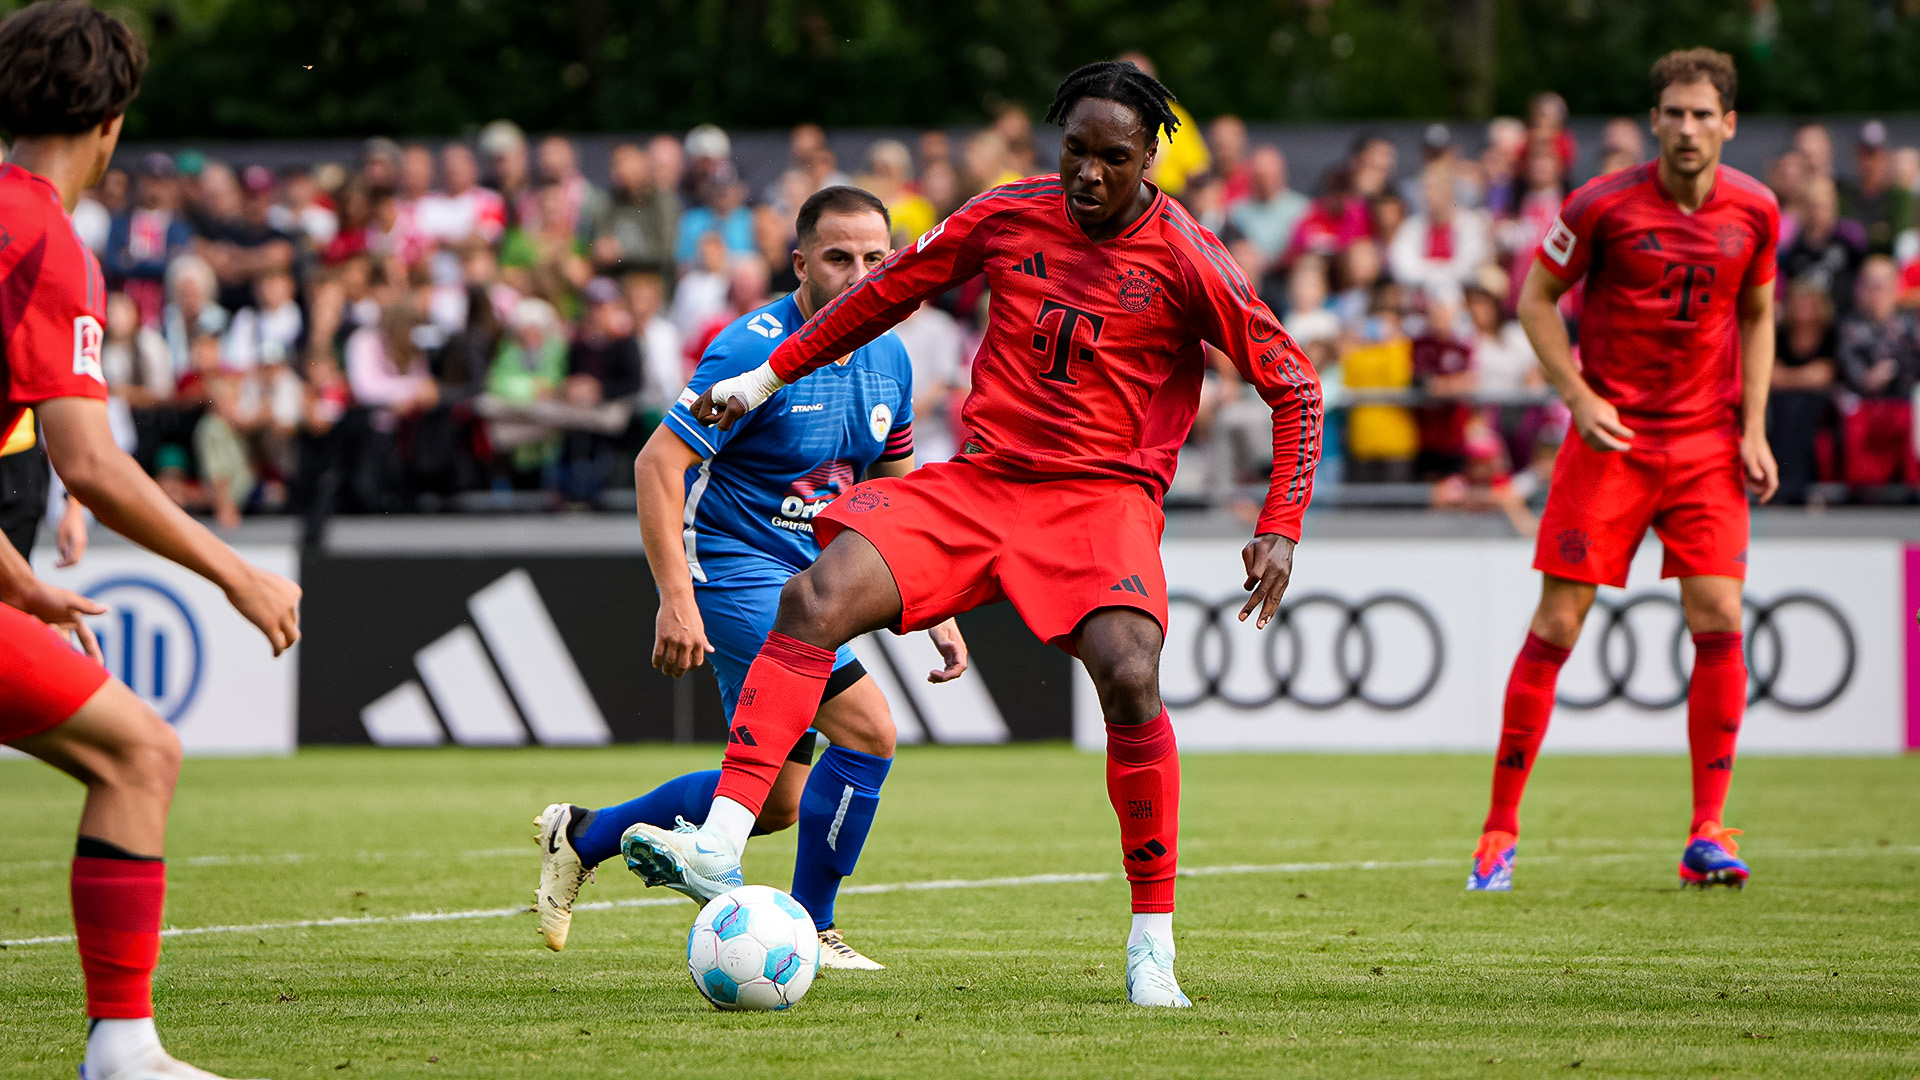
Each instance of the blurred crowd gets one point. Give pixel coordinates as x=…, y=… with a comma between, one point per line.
x=480, y=324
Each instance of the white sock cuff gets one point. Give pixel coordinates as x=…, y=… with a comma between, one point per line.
x=730, y=821
x=1157, y=923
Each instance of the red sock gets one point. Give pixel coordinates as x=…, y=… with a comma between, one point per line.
x=1143, y=783
x=777, y=702
x=1716, y=701
x=1523, y=724
x=116, y=918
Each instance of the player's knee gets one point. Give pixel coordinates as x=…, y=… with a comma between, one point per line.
x=1129, y=689
x=1715, y=614
x=806, y=610
x=148, y=760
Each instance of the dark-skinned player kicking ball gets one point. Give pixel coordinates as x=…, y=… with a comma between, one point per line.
x=1105, y=292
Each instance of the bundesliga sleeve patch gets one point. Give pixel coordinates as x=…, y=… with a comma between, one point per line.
x=87, y=338
x=930, y=236
x=1559, y=242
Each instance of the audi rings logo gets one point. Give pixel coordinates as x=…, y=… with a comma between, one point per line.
x=1320, y=652
x=1800, y=651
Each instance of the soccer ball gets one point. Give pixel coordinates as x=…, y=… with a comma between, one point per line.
x=753, y=949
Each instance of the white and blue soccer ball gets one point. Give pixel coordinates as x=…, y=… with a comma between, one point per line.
x=753, y=949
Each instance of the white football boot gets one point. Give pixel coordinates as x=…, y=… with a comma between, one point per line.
x=1150, y=978
x=130, y=1050
x=561, y=874
x=836, y=953
x=686, y=859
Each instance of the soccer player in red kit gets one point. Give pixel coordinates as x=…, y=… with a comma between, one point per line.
x=1103, y=291
x=67, y=73
x=1669, y=403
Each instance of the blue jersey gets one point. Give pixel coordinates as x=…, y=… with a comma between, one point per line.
x=751, y=500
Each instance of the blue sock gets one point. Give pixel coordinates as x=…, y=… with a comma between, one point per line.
x=836, y=812
x=691, y=796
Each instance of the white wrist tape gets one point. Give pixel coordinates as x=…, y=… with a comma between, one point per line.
x=753, y=387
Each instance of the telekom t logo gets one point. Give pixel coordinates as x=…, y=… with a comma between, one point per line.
x=1690, y=281
x=1060, y=341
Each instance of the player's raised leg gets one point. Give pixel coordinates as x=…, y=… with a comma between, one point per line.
x=1121, y=650
x=844, y=594
x=1716, y=704
x=1523, y=724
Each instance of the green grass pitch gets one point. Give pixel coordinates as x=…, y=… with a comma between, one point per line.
x=1596, y=964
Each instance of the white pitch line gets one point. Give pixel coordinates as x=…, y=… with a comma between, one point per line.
x=931, y=886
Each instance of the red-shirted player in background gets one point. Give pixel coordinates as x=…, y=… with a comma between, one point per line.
x=1085, y=387
x=67, y=73
x=1669, y=401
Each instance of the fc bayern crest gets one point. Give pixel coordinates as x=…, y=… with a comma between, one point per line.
x=1137, y=290
x=866, y=500
x=1732, y=240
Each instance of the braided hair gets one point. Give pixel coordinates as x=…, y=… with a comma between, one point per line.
x=1121, y=82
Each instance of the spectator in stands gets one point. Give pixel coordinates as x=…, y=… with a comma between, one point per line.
x=1501, y=165
x=809, y=152
x=723, y=211
x=142, y=240
x=709, y=160
x=603, y=376
x=226, y=473
x=1271, y=211
x=134, y=357
x=663, y=365
x=1789, y=176
x=773, y=232
x=192, y=311
x=1814, y=141
x=1445, y=246
x=747, y=288
x=1309, y=317
x=1356, y=274
x=1443, y=371
x=1622, y=145
x=702, y=292
x=530, y=367
x=504, y=149
x=1206, y=200
x=1547, y=126
x=461, y=209
x=387, y=370
x=1382, y=439
x=1485, y=482
x=268, y=330
x=356, y=217
x=940, y=381
x=380, y=162
x=1826, y=250
x=1227, y=139
x=1879, y=357
x=1519, y=236
x=1371, y=163
x=1871, y=197
x=580, y=202
x=669, y=160
x=890, y=177
x=1504, y=365
x=304, y=213
x=1337, y=219
x=637, y=230
x=543, y=255
x=984, y=163
x=243, y=246
x=1801, y=400
x=416, y=177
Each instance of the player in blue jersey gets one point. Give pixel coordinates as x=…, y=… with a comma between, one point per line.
x=726, y=517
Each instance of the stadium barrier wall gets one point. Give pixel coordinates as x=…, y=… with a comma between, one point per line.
x=1392, y=645
x=171, y=636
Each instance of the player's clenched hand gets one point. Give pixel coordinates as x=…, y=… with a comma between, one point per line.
x=269, y=602
x=1763, y=473
x=708, y=413
x=679, y=637
x=1269, y=559
x=953, y=649
x=61, y=610
x=1598, y=422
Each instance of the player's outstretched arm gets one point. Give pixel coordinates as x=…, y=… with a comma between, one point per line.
x=660, y=494
x=1597, y=421
x=1756, y=377
x=58, y=608
x=126, y=500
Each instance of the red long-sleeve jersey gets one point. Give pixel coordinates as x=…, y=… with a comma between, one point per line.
x=1093, y=355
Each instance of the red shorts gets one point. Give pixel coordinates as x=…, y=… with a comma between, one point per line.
x=958, y=536
x=42, y=680
x=1690, y=489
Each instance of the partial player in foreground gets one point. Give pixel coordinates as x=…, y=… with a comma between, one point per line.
x=67, y=73
x=1104, y=291
x=727, y=519
x=1669, y=400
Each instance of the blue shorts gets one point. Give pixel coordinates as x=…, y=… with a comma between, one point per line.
x=739, y=616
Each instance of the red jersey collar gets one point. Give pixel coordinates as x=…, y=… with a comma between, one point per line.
x=8, y=168
x=1147, y=215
